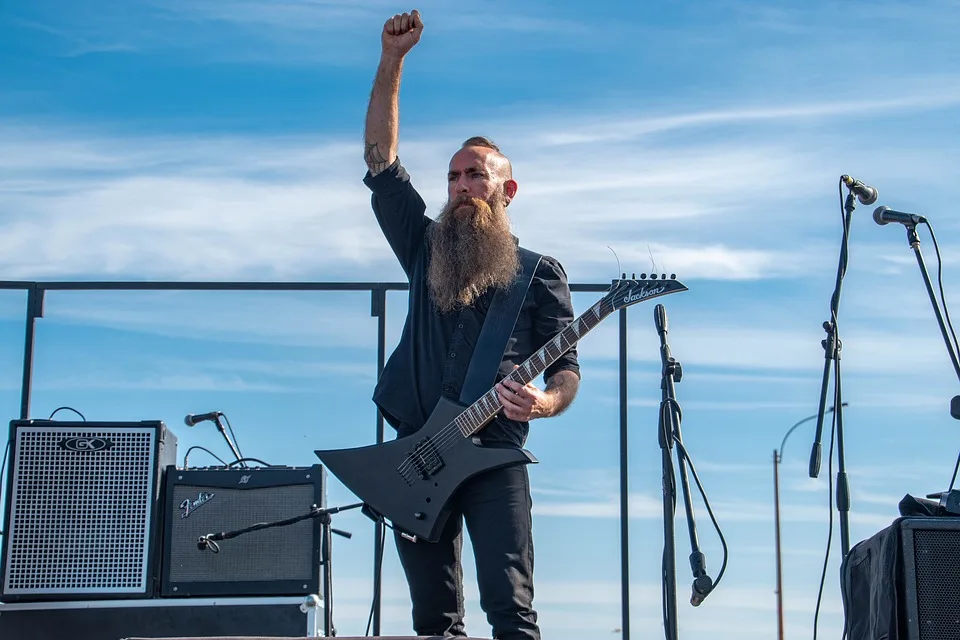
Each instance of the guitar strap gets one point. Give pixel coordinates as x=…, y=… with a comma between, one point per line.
x=497, y=328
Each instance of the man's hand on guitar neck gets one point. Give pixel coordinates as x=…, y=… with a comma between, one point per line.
x=527, y=402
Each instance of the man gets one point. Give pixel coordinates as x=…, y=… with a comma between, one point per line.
x=456, y=264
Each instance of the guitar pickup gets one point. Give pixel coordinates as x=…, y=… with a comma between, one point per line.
x=426, y=458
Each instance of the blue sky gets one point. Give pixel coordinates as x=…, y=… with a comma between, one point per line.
x=221, y=141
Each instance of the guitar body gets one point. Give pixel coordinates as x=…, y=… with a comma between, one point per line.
x=412, y=487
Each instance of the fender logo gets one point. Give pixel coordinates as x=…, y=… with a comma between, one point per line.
x=188, y=506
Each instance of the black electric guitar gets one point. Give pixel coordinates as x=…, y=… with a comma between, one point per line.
x=410, y=480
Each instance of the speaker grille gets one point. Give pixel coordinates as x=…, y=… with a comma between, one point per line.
x=266, y=554
x=80, y=503
x=938, y=575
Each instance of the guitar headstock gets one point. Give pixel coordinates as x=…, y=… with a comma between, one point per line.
x=625, y=292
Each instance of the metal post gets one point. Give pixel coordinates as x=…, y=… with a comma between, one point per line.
x=776, y=520
x=34, y=311
x=379, y=309
x=777, y=458
x=624, y=486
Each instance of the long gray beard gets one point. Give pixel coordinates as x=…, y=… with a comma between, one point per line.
x=472, y=250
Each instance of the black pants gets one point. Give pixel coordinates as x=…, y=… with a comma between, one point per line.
x=496, y=507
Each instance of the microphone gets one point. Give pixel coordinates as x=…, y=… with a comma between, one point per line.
x=865, y=194
x=886, y=215
x=702, y=586
x=191, y=419
x=660, y=318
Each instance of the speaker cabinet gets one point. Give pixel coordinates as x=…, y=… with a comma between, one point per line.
x=274, y=561
x=931, y=572
x=81, y=505
x=903, y=583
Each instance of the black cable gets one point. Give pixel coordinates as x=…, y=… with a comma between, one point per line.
x=943, y=299
x=68, y=409
x=836, y=403
x=234, y=436
x=826, y=559
x=242, y=460
x=706, y=503
x=953, y=480
x=3, y=466
x=377, y=576
x=202, y=449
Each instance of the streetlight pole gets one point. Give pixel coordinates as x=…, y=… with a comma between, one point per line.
x=777, y=458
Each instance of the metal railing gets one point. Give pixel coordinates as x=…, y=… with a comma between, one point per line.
x=36, y=293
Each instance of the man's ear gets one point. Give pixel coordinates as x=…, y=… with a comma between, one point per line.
x=510, y=188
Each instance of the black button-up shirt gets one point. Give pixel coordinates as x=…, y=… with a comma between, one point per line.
x=434, y=351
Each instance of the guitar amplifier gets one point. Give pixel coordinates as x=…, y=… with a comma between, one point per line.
x=275, y=561
x=81, y=506
x=903, y=583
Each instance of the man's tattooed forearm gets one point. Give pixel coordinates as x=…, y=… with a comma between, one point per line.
x=374, y=159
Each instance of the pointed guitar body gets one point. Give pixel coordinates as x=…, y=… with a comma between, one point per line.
x=415, y=500
x=411, y=480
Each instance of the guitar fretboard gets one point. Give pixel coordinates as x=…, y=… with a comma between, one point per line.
x=488, y=405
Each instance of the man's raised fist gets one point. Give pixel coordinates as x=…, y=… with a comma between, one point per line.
x=401, y=33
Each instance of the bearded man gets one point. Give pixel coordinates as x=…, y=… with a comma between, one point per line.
x=456, y=265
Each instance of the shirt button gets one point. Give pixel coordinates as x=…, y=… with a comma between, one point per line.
x=460, y=326
x=447, y=388
x=453, y=355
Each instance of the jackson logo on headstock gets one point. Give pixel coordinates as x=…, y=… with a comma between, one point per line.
x=643, y=293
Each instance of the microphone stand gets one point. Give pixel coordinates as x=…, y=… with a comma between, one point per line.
x=209, y=542
x=914, y=241
x=669, y=431
x=233, y=448
x=832, y=346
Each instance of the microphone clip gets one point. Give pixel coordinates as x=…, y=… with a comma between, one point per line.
x=702, y=587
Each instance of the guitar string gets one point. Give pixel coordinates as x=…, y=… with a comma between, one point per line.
x=442, y=441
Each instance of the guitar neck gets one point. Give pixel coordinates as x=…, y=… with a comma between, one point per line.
x=477, y=415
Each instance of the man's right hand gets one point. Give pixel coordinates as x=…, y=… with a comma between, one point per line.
x=401, y=33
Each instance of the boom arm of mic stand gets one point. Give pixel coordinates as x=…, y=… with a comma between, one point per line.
x=914, y=241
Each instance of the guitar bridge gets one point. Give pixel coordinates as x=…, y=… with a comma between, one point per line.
x=426, y=459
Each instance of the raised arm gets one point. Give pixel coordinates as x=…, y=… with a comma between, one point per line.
x=400, y=34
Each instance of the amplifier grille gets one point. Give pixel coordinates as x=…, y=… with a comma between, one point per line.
x=80, y=510
x=262, y=555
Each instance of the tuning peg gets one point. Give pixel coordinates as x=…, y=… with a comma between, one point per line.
x=642, y=276
x=623, y=276
x=673, y=276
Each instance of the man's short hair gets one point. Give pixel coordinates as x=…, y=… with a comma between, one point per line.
x=483, y=141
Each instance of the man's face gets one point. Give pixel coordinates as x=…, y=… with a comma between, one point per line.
x=476, y=172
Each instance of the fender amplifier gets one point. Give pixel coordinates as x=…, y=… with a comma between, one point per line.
x=82, y=499
x=271, y=561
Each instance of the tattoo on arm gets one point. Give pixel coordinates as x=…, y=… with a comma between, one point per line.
x=563, y=386
x=374, y=159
